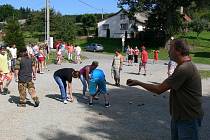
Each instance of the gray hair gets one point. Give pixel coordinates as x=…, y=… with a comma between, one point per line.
x=181, y=46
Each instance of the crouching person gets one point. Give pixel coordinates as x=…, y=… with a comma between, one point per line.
x=25, y=68
x=97, y=84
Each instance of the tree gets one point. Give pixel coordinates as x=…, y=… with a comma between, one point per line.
x=6, y=11
x=164, y=15
x=199, y=25
x=88, y=20
x=66, y=29
x=13, y=34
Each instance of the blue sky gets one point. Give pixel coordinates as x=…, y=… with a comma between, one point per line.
x=68, y=6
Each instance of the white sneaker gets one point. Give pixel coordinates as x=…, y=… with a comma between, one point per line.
x=85, y=97
x=65, y=101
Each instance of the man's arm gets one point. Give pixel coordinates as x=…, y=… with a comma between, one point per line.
x=158, y=89
x=113, y=62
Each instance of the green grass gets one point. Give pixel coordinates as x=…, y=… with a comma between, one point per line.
x=52, y=58
x=200, y=50
x=204, y=74
x=110, y=45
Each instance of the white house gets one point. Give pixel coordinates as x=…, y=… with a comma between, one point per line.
x=119, y=23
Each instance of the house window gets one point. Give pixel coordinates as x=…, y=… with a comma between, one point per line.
x=122, y=16
x=105, y=26
x=124, y=26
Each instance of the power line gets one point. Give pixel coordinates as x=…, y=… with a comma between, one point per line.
x=89, y=5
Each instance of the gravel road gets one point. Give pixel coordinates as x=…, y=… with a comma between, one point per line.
x=134, y=113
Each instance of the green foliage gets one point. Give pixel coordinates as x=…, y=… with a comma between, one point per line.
x=88, y=20
x=198, y=25
x=65, y=29
x=36, y=21
x=163, y=15
x=6, y=11
x=14, y=34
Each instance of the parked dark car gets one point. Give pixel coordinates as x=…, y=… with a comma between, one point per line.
x=94, y=47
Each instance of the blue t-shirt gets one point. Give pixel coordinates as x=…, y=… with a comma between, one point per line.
x=97, y=74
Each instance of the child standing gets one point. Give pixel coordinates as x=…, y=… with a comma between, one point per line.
x=155, y=56
x=59, y=57
x=70, y=49
x=24, y=68
x=144, y=59
x=41, y=60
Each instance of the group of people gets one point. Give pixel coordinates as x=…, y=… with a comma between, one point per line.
x=91, y=78
x=184, y=85
x=40, y=53
x=22, y=68
x=133, y=55
x=73, y=52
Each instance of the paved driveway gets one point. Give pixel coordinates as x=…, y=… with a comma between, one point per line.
x=135, y=113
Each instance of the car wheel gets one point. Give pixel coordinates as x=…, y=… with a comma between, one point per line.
x=94, y=50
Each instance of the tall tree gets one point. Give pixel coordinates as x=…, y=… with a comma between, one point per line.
x=6, y=11
x=66, y=29
x=13, y=34
x=164, y=15
x=88, y=20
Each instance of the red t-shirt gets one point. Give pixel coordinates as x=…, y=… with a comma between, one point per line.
x=144, y=56
x=70, y=49
x=156, y=54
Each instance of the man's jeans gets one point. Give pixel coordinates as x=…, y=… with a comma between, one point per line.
x=185, y=130
x=84, y=83
x=62, y=85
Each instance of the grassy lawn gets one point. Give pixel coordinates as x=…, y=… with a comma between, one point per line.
x=52, y=58
x=110, y=45
x=200, y=51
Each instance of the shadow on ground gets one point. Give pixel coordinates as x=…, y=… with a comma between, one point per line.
x=56, y=97
x=61, y=135
x=134, y=114
x=15, y=100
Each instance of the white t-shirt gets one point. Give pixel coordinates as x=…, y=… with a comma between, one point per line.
x=13, y=52
x=78, y=50
x=29, y=50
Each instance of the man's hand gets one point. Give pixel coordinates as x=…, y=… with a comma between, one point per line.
x=131, y=82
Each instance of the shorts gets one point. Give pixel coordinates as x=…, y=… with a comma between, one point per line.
x=130, y=57
x=23, y=85
x=97, y=85
x=6, y=77
x=116, y=73
x=188, y=129
x=41, y=59
x=143, y=63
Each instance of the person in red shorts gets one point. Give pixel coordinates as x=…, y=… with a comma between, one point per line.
x=41, y=59
x=144, y=59
x=155, y=56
